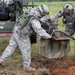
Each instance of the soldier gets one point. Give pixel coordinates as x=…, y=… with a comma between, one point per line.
x=68, y=14
x=21, y=35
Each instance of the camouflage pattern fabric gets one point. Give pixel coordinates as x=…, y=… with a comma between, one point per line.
x=22, y=40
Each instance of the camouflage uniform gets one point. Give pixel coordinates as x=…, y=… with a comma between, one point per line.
x=21, y=38
x=68, y=20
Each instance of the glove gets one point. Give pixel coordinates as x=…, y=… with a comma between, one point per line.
x=52, y=39
x=49, y=20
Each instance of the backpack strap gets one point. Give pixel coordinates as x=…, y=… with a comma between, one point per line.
x=24, y=20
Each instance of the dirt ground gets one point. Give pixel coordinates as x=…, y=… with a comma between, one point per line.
x=64, y=66
x=44, y=66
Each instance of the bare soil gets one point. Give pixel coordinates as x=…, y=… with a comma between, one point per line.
x=44, y=66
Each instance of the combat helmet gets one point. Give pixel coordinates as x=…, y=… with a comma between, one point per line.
x=68, y=8
x=43, y=9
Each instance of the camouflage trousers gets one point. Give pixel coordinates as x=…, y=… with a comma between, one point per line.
x=25, y=47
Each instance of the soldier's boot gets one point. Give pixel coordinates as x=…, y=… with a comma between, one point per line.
x=2, y=64
x=29, y=69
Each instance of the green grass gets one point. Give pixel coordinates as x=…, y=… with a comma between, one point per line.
x=14, y=61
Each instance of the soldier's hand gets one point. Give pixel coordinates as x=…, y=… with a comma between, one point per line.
x=49, y=20
x=52, y=39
